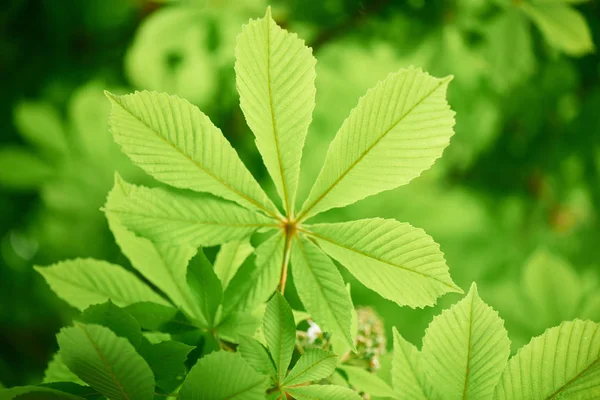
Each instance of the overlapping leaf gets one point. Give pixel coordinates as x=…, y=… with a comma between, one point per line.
x=106, y=362
x=230, y=259
x=321, y=288
x=176, y=143
x=185, y=218
x=408, y=373
x=83, y=282
x=280, y=333
x=465, y=349
x=212, y=379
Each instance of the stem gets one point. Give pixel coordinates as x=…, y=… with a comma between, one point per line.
x=290, y=232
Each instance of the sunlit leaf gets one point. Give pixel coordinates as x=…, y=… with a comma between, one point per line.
x=408, y=374
x=280, y=333
x=230, y=258
x=312, y=366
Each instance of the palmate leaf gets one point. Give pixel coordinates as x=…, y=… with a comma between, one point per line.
x=397, y=130
x=253, y=284
x=162, y=264
x=185, y=218
x=119, y=321
x=230, y=258
x=176, y=143
x=275, y=76
x=398, y=261
x=465, y=349
x=35, y=393
x=280, y=333
x=313, y=365
x=205, y=286
x=408, y=374
x=321, y=288
x=223, y=375
x=57, y=371
x=106, y=362
x=367, y=382
x=83, y=282
x=563, y=363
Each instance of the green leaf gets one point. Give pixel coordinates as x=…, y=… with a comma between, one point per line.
x=20, y=169
x=106, y=362
x=57, y=371
x=167, y=361
x=40, y=124
x=176, y=143
x=116, y=319
x=230, y=258
x=254, y=284
x=398, y=261
x=275, y=76
x=465, y=349
x=321, y=288
x=323, y=392
x=156, y=317
x=313, y=365
x=408, y=374
x=397, y=130
x=563, y=27
x=553, y=291
x=235, y=325
x=35, y=393
x=163, y=265
x=279, y=329
x=185, y=218
x=257, y=356
x=206, y=287
x=85, y=281
x=563, y=363
x=367, y=382
x=223, y=375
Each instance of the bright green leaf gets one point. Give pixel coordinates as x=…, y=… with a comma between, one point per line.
x=312, y=366
x=163, y=265
x=397, y=130
x=367, y=382
x=35, y=393
x=465, y=349
x=180, y=146
x=106, y=362
x=223, y=375
x=114, y=318
x=398, y=261
x=275, y=75
x=205, y=286
x=408, y=374
x=167, y=361
x=280, y=333
x=254, y=284
x=185, y=218
x=257, y=356
x=323, y=392
x=237, y=324
x=230, y=258
x=321, y=288
x=563, y=363
x=57, y=371
x=83, y=282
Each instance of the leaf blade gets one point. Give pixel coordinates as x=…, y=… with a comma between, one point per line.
x=280, y=333
x=106, y=362
x=408, y=374
x=378, y=148
x=230, y=258
x=84, y=282
x=465, y=349
x=181, y=147
x=398, y=261
x=573, y=351
x=321, y=288
x=313, y=365
x=275, y=77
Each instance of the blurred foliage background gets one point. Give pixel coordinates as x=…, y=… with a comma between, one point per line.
x=513, y=203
